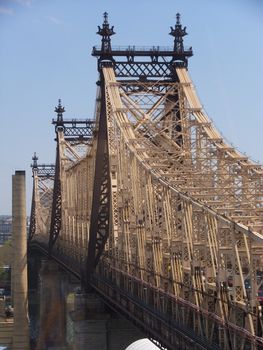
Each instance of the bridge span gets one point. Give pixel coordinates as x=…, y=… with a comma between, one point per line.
x=150, y=207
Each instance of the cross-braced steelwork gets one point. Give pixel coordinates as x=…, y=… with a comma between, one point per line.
x=43, y=182
x=154, y=210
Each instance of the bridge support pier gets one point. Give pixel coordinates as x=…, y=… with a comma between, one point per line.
x=89, y=323
x=52, y=308
x=97, y=328
x=121, y=334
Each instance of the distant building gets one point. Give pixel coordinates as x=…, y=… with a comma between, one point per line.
x=5, y=228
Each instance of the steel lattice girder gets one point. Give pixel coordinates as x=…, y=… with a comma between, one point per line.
x=43, y=183
x=162, y=235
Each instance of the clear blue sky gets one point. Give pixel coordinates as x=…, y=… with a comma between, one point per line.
x=45, y=54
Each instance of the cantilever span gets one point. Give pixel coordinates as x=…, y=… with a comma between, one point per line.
x=150, y=207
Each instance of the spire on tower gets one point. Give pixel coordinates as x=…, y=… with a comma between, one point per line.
x=178, y=18
x=105, y=15
x=59, y=110
x=35, y=159
x=106, y=32
x=178, y=33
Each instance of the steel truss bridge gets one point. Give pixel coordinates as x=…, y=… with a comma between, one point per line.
x=151, y=208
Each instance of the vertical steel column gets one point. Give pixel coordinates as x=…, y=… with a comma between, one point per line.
x=99, y=224
x=32, y=227
x=55, y=224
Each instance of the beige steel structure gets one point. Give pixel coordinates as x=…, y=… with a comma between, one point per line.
x=186, y=224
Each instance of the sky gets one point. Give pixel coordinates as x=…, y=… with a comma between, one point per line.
x=45, y=54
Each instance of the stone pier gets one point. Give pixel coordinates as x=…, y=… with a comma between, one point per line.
x=52, y=334
x=90, y=323
x=97, y=328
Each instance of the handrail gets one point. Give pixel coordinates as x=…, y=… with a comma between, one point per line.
x=134, y=48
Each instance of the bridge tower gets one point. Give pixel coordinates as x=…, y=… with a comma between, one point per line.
x=142, y=66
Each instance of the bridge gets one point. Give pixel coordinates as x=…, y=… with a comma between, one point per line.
x=151, y=208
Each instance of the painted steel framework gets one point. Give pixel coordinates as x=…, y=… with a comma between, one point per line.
x=154, y=209
x=43, y=183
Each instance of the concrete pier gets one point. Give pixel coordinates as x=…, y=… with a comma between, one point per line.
x=19, y=266
x=52, y=335
x=90, y=323
x=98, y=328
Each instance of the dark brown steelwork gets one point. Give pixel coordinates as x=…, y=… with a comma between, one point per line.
x=159, y=62
x=46, y=170
x=99, y=225
x=106, y=32
x=73, y=129
x=56, y=206
x=32, y=225
x=55, y=224
x=178, y=33
x=76, y=129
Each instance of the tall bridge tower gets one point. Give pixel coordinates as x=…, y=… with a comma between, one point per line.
x=136, y=69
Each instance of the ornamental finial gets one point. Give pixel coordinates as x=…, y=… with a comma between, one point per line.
x=105, y=15
x=59, y=110
x=178, y=33
x=106, y=32
x=178, y=19
x=35, y=159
